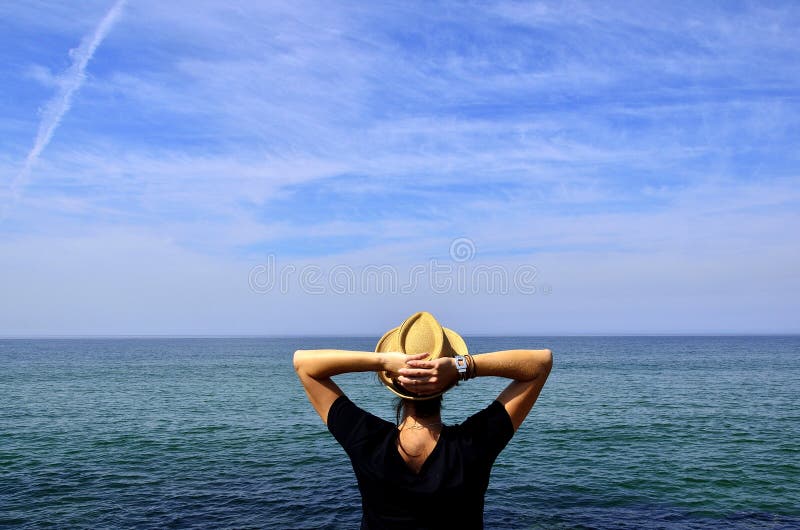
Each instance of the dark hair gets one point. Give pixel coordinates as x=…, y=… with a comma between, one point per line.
x=425, y=408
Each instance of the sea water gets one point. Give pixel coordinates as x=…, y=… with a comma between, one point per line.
x=629, y=432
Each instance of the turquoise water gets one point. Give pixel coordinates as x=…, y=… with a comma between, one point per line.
x=630, y=432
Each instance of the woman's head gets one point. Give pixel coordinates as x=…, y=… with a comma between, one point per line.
x=419, y=333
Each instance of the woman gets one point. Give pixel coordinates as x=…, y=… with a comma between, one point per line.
x=421, y=473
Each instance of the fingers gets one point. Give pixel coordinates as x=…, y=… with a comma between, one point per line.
x=414, y=380
x=414, y=372
x=417, y=385
x=420, y=364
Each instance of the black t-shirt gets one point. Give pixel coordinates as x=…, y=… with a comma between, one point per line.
x=447, y=492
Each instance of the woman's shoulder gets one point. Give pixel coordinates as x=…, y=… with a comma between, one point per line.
x=495, y=411
x=345, y=417
x=359, y=432
x=490, y=423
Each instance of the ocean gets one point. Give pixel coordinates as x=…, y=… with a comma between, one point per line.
x=629, y=432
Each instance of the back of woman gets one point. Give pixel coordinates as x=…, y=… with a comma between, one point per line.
x=420, y=473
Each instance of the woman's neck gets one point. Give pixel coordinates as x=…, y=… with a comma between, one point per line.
x=413, y=421
x=419, y=415
x=432, y=424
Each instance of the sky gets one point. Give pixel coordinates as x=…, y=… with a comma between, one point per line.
x=282, y=168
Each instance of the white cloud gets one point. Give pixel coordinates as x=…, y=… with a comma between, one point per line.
x=43, y=75
x=56, y=108
x=653, y=148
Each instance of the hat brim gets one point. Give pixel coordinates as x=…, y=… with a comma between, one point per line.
x=454, y=343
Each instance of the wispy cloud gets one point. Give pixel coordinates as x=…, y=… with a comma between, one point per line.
x=56, y=108
x=615, y=146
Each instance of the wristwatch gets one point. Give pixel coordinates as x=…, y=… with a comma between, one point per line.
x=461, y=365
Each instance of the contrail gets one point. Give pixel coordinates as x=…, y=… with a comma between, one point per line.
x=55, y=109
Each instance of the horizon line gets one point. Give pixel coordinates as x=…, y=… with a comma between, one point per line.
x=360, y=335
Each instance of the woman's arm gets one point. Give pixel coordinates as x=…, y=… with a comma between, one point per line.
x=316, y=367
x=528, y=369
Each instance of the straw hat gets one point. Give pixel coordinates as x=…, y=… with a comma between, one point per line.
x=420, y=333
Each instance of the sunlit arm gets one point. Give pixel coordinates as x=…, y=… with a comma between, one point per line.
x=321, y=364
x=316, y=367
x=519, y=365
x=528, y=369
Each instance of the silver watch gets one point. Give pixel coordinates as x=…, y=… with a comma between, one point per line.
x=461, y=365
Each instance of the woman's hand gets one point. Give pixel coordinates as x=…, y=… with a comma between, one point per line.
x=394, y=362
x=428, y=377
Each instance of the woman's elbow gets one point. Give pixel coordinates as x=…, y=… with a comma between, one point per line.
x=543, y=362
x=547, y=360
x=297, y=360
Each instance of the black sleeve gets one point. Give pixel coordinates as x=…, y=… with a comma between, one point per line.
x=350, y=424
x=491, y=428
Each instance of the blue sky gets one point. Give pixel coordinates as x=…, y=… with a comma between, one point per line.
x=642, y=156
